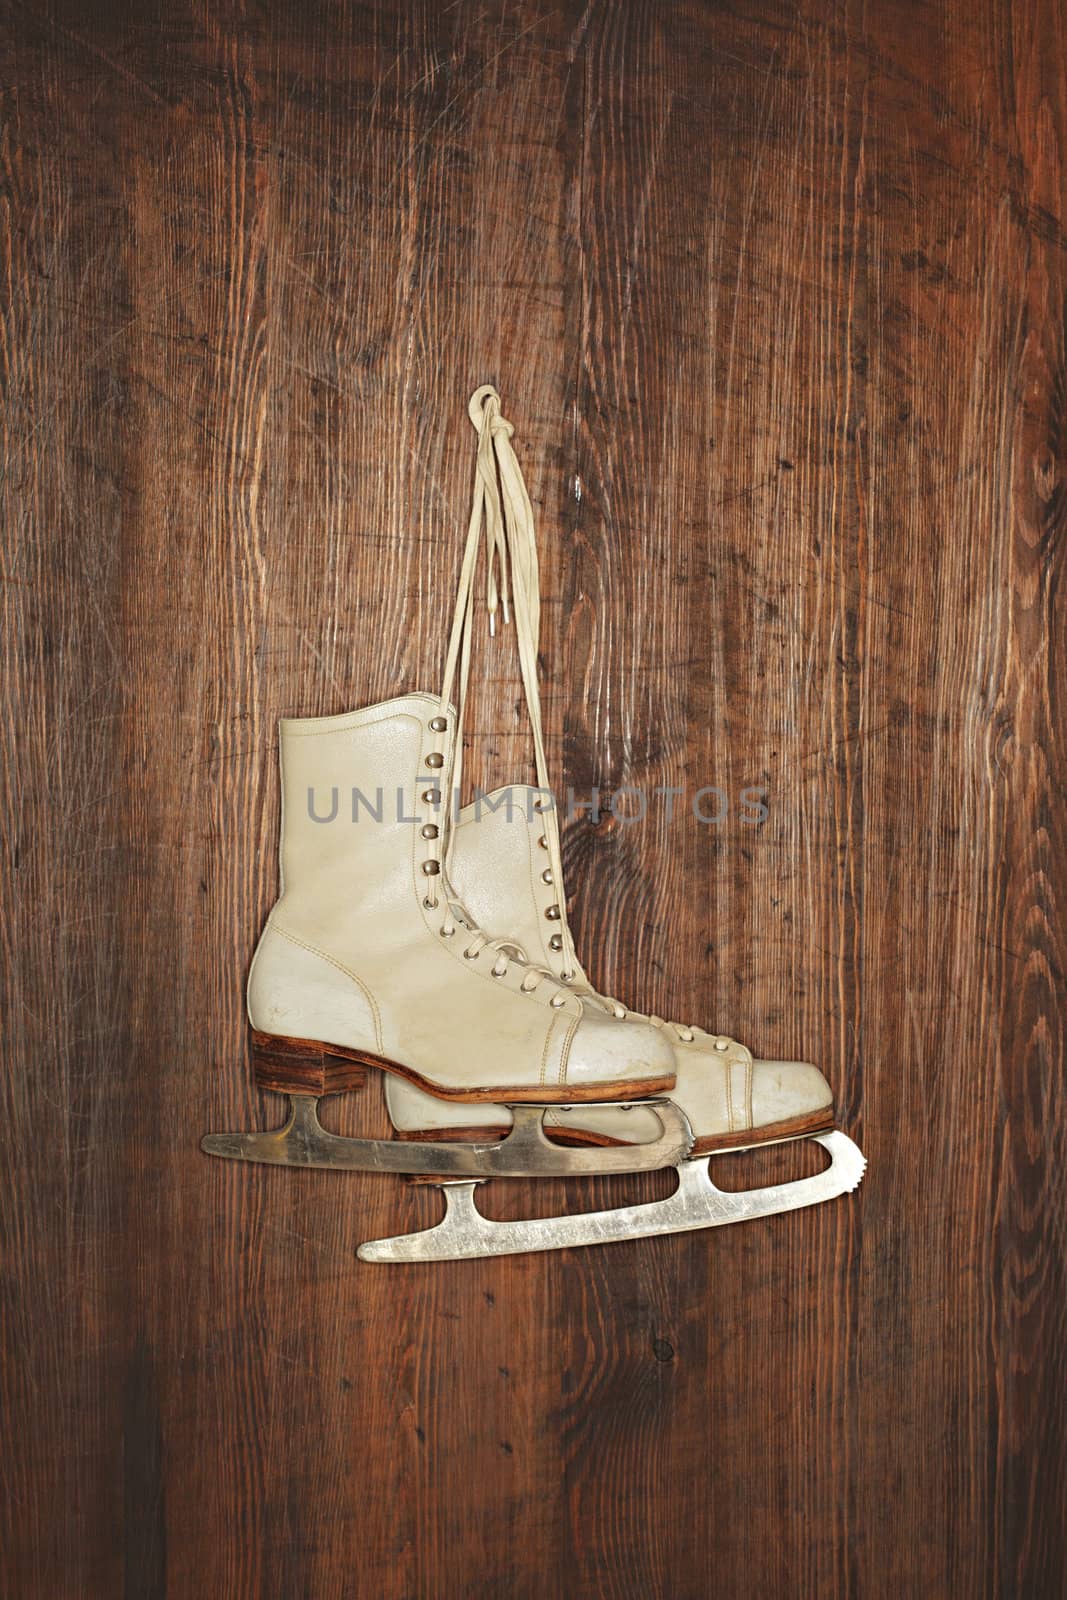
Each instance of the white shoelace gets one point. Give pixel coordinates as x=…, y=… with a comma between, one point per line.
x=501, y=508
x=511, y=550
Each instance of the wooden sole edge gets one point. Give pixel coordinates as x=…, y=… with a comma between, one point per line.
x=307, y=1066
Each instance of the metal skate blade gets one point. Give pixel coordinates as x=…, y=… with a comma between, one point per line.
x=464, y=1233
x=524, y=1152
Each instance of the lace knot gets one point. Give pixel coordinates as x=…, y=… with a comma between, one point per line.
x=484, y=412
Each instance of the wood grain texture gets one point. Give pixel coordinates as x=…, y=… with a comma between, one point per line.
x=775, y=297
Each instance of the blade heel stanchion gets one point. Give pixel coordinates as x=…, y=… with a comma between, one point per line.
x=696, y=1203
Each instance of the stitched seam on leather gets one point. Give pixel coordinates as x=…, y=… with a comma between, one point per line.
x=739, y=1078
x=360, y=985
x=544, y=1052
x=565, y=1053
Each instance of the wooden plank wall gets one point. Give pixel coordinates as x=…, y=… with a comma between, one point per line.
x=775, y=296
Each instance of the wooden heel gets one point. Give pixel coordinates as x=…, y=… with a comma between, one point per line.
x=303, y=1066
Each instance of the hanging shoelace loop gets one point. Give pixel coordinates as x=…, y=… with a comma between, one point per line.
x=502, y=517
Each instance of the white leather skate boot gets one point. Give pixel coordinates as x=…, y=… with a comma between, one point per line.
x=506, y=864
x=368, y=959
x=498, y=865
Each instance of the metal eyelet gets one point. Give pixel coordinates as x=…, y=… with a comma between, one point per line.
x=721, y=1044
x=543, y=842
x=430, y=831
x=566, y=976
x=558, y=1000
x=553, y=913
x=556, y=942
x=431, y=868
x=495, y=972
x=546, y=876
x=434, y=760
x=446, y=931
x=470, y=955
x=438, y=724
x=432, y=797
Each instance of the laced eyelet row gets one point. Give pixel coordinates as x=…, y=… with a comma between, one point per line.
x=506, y=951
x=685, y=1033
x=430, y=831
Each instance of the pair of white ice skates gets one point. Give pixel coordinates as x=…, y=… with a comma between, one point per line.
x=435, y=947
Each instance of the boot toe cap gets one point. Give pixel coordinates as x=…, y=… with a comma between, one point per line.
x=606, y=1050
x=782, y=1090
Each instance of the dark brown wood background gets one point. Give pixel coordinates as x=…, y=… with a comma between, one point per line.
x=775, y=296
